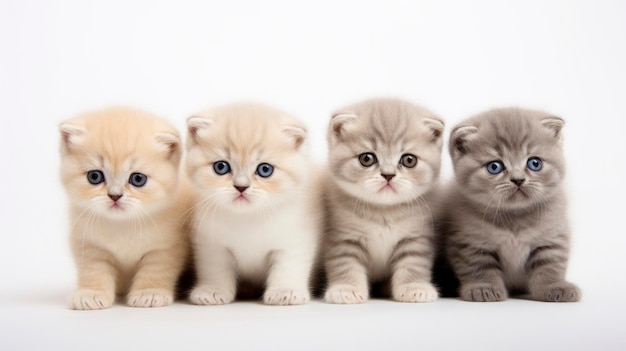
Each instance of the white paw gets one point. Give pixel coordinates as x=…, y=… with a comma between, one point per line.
x=210, y=296
x=344, y=293
x=86, y=299
x=283, y=297
x=150, y=298
x=415, y=292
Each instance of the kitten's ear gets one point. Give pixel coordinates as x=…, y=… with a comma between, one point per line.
x=461, y=137
x=297, y=134
x=198, y=127
x=555, y=124
x=170, y=144
x=436, y=127
x=71, y=136
x=339, y=124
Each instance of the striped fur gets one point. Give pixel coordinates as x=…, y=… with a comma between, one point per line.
x=496, y=239
x=379, y=231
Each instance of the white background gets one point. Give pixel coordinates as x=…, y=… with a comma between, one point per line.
x=457, y=58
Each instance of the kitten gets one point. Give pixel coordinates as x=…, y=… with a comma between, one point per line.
x=384, y=156
x=503, y=221
x=120, y=168
x=256, y=222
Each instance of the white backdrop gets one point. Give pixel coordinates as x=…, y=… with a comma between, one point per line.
x=456, y=58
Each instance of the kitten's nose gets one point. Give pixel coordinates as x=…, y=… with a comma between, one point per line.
x=518, y=181
x=388, y=176
x=114, y=197
x=241, y=189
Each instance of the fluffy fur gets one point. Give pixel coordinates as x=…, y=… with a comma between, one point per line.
x=125, y=238
x=251, y=229
x=506, y=231
x=378, y=223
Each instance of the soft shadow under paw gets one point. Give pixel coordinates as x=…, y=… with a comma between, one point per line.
x=84, y=299
x=210, y=296
x=345, y=294
x=415, y=292
x=150, y=298
x=483, y=293
x=285, y=297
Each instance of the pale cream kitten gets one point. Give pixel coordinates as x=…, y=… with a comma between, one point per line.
x=256, y=221
x=120, y=167
x=503, y=221
x=384, y=157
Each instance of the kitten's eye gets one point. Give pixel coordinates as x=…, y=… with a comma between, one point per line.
x=408, y=160
x=265, y=170
x=495, y=167
x=138, y=179
x=221, y=167
x=95, y=177
x=367, y=159
x=534, y=164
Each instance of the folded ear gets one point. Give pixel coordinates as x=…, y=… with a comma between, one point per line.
x=71, y=136
x=555, y=124
x=340, y=125
x=462, y=138
x=436, y=127
x=170, y=143
x=198, y=127
x=297, y=134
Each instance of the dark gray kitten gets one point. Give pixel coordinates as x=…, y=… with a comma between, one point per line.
x=502, y=223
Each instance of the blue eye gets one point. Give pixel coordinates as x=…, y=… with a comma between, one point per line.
x=138, y=179
x=265, y=170
x=495, y=167
x=95, y=177
x=221, y=167
x=534, y=164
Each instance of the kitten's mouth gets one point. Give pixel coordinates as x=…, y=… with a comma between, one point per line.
x=520, y=192
x=387, y=187
x=241, y=198
x=116, y=207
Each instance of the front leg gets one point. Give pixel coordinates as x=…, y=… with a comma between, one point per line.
x=479, y=271
x=288, y=278
x=545, y=267
x=411, y=264
x=345, y=262
x=216, y=271
x=96, y=279
x=155, y=280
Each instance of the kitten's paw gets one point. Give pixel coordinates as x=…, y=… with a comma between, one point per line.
x=285, y=297
x=210, y=296
x=344, y=293
x=558, y=292
x=86, y=299
x=483, y=292
x=415, y=292
x=150, y=298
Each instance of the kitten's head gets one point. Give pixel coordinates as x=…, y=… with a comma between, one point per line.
x=246, y=157
x=119, y=163
x=508, y=158
x=385, y=151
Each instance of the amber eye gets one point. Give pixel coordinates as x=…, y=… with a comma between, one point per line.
x=367, y=159
x=408, y=160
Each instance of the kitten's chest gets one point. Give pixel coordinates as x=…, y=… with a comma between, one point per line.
x=380, y=243
x=513, y=252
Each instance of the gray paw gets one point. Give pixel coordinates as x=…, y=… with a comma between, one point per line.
x=483, y=292
x=558, y=292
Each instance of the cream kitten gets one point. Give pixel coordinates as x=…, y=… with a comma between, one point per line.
x=384, y=156
x=503, y=222
x=256, y=221
x=120, y=168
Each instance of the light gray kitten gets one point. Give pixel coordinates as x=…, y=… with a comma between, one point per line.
x=503, y=221
x=384, y=156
